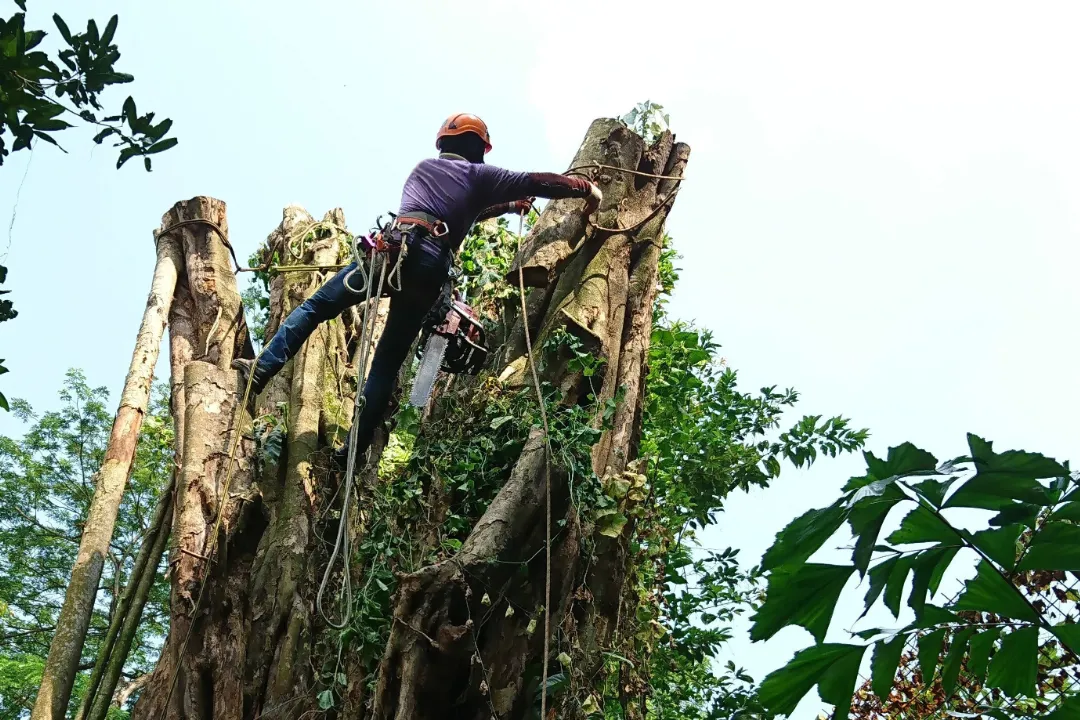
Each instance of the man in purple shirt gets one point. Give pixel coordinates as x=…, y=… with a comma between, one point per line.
x=443, y=197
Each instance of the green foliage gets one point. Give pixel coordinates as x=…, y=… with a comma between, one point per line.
x=50, y=470
x=648, y=120
x=702, y=439
x=75, y=77
x=997, y=623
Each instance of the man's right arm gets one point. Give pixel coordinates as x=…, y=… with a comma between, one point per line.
x=506, y=186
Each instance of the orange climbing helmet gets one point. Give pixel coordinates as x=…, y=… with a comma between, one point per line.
x=462, y=123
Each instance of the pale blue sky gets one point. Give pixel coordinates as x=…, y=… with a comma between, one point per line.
x=882, y=209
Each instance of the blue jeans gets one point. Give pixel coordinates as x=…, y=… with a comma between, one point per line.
x=423, y=272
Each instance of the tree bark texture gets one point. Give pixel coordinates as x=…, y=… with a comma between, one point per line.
x=125, y=617
x=75, y=614
x=252, y=636
x=457, y=635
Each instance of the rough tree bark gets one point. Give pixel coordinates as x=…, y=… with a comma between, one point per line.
x=258, y=648
x=78, y=607
x=251, y=641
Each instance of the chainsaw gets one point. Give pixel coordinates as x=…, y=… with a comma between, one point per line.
x=453, y=341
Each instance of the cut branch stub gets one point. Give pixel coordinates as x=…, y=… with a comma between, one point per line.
x=201, y=225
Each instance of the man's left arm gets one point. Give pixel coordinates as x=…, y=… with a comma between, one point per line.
x=513, y=207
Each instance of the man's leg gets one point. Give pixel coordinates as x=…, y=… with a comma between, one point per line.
x=327, y=302
x=423, y=274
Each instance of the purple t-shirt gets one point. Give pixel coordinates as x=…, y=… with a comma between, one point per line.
x=456, y=191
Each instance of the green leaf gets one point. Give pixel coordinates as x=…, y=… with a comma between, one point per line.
x=928, y=565
x=611, y=524
x=939, y=570
x=161, y=146
x=125, y=155
x=52, y=125
x=110, y=30
x=866, y=517
x=999, y=545
x=1012, y=463
x=1015, y=667
x=21, y=4
x=1012, y=475
x=922, y=526
x=979, y=656
x=129, y=111
x=1055, y=547
x=894, y=591
x=932, y=617
x=833, y=667
x=950, y=670
x=805, y=596
x=4, y=403
x=1069, y=635
x=1023, y=513
x=147, y=164
x=879, y=576
x=804, y=536
x=929, y=650
x=62, y=27
x=989, y=592
x=883, y=665
x=903, y=460
x=934, y=490
x=33, y=39
x=326, y=700
x=1068, y=511
x=100, y=137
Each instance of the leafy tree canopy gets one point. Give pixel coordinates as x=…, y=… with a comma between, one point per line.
x=41, y=91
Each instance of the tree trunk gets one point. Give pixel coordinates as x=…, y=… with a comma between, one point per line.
x=74, y=620
x=445, y=619
x=125, y=619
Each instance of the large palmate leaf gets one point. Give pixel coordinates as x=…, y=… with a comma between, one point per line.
x=804, y=536
x=1015, y=667
x=833, y=667
x=803, y=596
x=1055, y=547
x=988, y=591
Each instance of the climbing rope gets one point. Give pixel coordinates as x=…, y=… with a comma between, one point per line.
x=577, y=170
x=210, y=224
x=341, y=543
x=547, y=479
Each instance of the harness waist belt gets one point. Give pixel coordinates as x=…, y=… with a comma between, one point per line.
x=436, y=227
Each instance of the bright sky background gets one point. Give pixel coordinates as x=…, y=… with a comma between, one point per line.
x=882, y=210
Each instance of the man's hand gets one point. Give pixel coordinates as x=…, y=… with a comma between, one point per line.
x=593, y=201
x=523, y=207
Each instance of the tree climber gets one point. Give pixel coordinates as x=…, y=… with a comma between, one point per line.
x=442, y=199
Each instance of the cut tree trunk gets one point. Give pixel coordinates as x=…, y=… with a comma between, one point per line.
x=74, y=619
x=253, y=635
x=461, y=626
